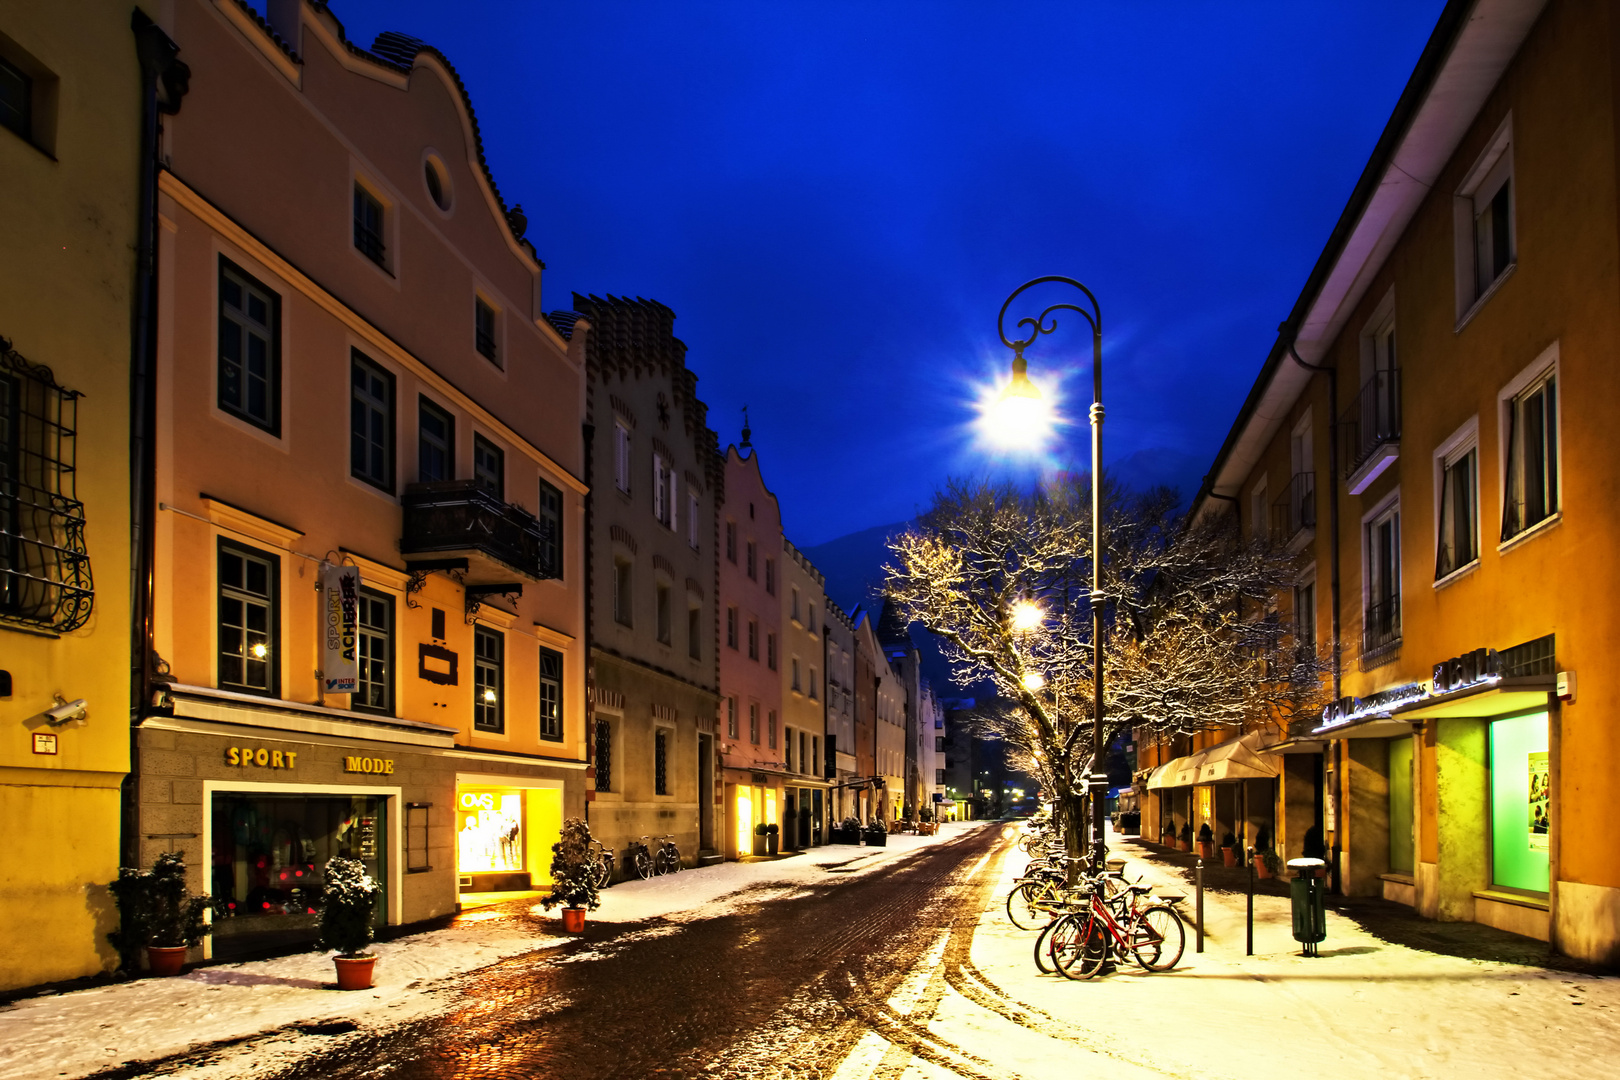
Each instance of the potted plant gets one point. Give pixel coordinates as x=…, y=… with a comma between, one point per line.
x=158, y=913
x=348, y=909
x=876, y=834
x=847, y=831
x=771, y=832
x=805, y=836
x=1266, y=862
x=760, y=832
x=1206, y=841
x=573, y=876
x=1167, y=835
x=1185, y=836
x=1229, y=849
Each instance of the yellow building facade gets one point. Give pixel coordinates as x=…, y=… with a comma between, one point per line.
x=69, y=149
x=1433, y=434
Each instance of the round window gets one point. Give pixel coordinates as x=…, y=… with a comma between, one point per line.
x=437, y=185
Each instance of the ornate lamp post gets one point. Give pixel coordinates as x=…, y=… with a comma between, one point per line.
x=1017, y=400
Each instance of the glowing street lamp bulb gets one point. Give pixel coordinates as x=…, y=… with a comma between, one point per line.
x=1019, y=417
x=260, y=651
x=1034, y=681
x=1026, y=615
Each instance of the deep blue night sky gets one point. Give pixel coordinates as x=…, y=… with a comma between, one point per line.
x=835, y=198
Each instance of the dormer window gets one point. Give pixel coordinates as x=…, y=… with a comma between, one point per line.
x=368, y=226
x=484, y=330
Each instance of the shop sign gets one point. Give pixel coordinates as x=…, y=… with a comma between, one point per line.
x=261, y=757
x=477, y=800
x=1481, y=667
x=372, y=765
x=1350, y=709
x=1469, y=669
x=340, y=585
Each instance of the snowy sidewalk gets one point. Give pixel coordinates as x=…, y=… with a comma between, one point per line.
x=80, y=1032
x=1364, y=1008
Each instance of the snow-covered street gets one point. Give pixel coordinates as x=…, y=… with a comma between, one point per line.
x=966, y=1000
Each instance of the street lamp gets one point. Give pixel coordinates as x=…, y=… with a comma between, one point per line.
x=1015, y=407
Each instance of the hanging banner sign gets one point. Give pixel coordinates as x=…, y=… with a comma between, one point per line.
x=340, y=615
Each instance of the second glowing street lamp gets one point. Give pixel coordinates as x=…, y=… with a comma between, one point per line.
x=1020, y=404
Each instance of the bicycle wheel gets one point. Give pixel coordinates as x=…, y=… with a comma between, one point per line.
x=667, y=863
x=1021, y=907
x=1085, y=957
x=1062, y=938
x=643, y=863
x=675, y=859
x=1158, y=937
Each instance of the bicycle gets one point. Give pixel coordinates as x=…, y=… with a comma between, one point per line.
x=1117, y=929
x=606, y=864
x=641, y=858
x=667, y=860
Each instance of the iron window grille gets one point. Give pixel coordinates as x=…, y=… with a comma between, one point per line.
x=661, y=762
x=375, y=652
x=45, y=578
x=1530, y=659
x=484, y=329
x=249, y=349
x=435, y=443
x=488, y=666
x=368, y=225
x=371, y=423
x=551, y=673
x=248, y=625
x=604, y=756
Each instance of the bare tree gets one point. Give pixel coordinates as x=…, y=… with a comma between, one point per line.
x=1002, y=576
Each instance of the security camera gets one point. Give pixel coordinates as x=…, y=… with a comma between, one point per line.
x=64, y=713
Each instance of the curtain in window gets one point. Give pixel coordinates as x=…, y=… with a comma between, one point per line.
x=1513, y=492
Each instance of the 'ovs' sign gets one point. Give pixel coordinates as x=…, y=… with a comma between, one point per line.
x=477, y=800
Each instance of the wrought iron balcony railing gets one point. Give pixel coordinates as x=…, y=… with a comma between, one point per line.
x=464, y=516
x=1295, y=509
x=1373, y=420
x=1382, y=625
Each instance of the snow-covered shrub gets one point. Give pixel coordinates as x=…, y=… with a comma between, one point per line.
x=348, y=908
x=573, y=869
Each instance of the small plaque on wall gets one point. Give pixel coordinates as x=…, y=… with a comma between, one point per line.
x=44, y=742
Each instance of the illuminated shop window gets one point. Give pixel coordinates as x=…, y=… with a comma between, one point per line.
x=489, y=831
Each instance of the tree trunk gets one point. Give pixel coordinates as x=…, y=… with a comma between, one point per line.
x=1073, y=809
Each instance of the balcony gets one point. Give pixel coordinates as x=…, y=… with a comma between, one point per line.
x=1293, y=515
x=459, y=524
x=1380, y=632
x=1370, y=430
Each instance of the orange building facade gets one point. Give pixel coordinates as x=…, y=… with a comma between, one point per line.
x=369, y=625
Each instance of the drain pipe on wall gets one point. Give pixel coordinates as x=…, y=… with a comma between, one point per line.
x=1333, y=568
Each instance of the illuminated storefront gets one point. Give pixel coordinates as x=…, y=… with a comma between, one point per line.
x=504, y=834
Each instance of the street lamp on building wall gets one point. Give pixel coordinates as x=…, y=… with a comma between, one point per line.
x=1018, y=414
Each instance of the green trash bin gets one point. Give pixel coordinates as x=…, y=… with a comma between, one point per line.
x=1309, y=902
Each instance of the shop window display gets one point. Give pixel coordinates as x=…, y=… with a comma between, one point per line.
x=1520, y=803
x=269, y=860
x=489, y=831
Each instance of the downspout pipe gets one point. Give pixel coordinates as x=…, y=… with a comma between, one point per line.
x=1333, y=498
x=164, y=81
x=588, y=435
x=1333, y=564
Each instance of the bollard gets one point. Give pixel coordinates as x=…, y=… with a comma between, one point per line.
x=1198, y=914
x=1249, y=950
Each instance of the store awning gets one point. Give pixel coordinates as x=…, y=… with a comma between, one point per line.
x=1163, y=776
x=1296, y=746
x=1178, y=772
x=1505, y=697
x=1236, y=759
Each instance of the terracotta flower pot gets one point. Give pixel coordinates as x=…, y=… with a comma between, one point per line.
x=1261, y=869
x=164, y=960
x=1206, y=849
x=573, y=920
x=1229, y=856
x=354, y=972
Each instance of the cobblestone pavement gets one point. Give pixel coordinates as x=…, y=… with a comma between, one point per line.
x=784, y=987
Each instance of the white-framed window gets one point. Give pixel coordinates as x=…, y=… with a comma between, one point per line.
x=622, y=596
x=1486, y=225
x=1305, y=613
x=665, y=630
x=621, y=456
x=1456, y=510
x=694, y=629
x=796, y=682
x=664, y=492
x=1529, y=414
x=813, y=694
x=486, y=330
x=1381, y=576
x=795, y=607
x=692, y=520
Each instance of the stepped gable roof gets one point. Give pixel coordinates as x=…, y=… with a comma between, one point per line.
x=563, y=322
x=398, y=52
x=631, y=338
